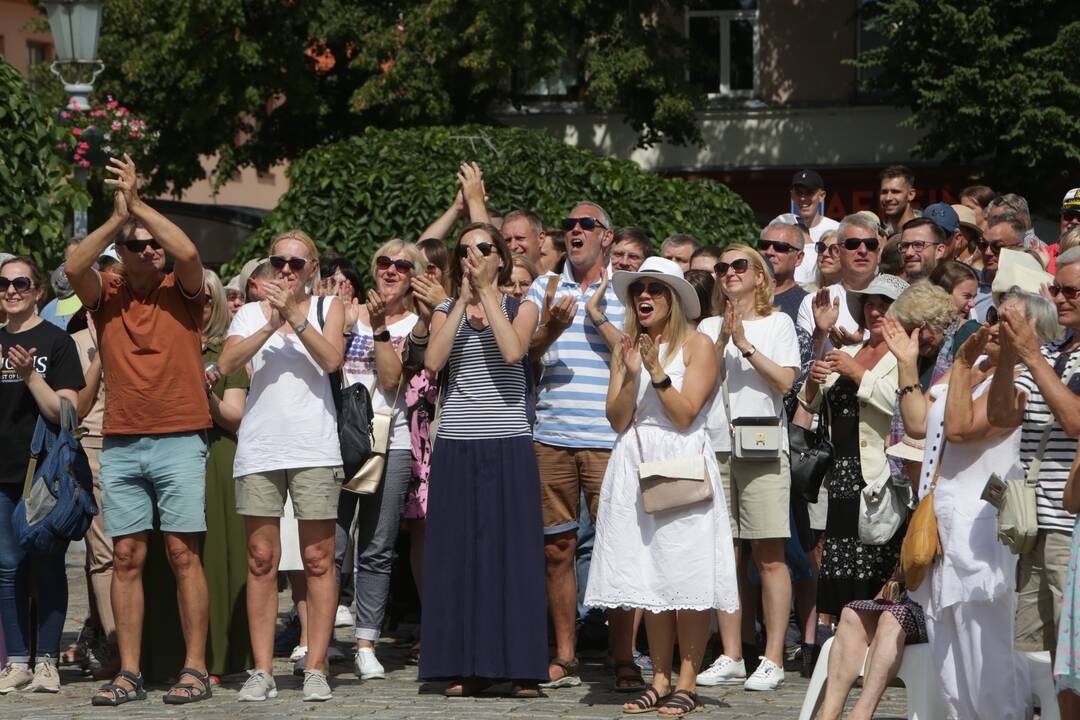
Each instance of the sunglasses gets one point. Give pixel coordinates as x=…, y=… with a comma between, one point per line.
x=137, y=246
x=383, y=263
x=994, y=248
x=484, y=248
x=586, y=223
x=1066, y=291
x=823, y=249
x=780, y=247
x=653, y=288
x=872, y=244
x=295, y=264
x=991, y=316
x=739, y=266
x=22, y=285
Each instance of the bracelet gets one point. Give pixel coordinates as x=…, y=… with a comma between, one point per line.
x=666, y=382
x=603, y=319
x=901, y=392
x=419, y=339
x=299, y=329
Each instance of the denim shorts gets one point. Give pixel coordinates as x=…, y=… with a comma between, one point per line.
x=142, y=472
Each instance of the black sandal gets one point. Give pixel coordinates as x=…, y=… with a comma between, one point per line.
x=120, y=694
x=627, y=682
x=468, y=687
x=647, y=701
x=191, y=693
x=684, y=701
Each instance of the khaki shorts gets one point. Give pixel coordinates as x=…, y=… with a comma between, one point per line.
x=725, y=484
x=1040, y=580
x=564, y=473
x=759, y=494
x=314, y=492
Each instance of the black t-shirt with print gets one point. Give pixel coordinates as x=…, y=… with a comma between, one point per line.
x=57, y=359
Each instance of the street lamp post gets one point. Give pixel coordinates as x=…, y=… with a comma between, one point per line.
x=75, y=26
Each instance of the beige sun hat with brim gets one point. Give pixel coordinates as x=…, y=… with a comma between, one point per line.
x=907, y=449
x=967, y=218
x=662, y=270
x=888, y=286
x=1016, y=268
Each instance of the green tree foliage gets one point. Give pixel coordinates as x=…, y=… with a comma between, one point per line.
x=35, y=194
x=259, y=81
x=995, y=85
x=353, y=195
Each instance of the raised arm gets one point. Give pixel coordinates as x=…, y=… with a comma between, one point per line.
x=779, y=378
x=1019, y=332
x=441, y=227
x=608, y=333
x=1005, y=404
x=79, y=266
x=472, y=187
x=913, y=403
x=683, y=406
x=388, y=363
x=621, y=400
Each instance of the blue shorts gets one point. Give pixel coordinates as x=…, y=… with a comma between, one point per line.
x=141, y=472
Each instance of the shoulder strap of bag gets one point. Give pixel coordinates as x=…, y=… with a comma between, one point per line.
x=319, y=306
x=1044, y=438
x=937, y=468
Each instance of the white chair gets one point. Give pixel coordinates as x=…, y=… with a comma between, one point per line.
x=1041, y=676
x=916, y=672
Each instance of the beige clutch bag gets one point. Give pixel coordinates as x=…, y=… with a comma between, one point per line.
x=674, y=483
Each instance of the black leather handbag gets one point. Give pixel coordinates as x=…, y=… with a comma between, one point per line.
x=354, y=416
x=811, y=454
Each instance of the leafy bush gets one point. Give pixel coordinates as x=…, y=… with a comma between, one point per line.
x=353, y=195
x=35, y=195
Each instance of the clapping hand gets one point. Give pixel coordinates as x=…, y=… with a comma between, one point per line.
x=125, y=179
x=352, y=313
x=563, y=311
x=843, y=363
x=429, y=295
x=839, y=336
x=376, y=308
x=630, y=354
x=820, y=371
x=482, y=269
x=1018, y=333
x=650, y=356
x=903, y=346
x=973, y=347
x=734, y=328
x=274, y=300
x=471, y=180
x=22, y=360
x=592, y=305
x=826, y=310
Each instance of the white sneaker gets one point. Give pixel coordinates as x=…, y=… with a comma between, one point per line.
x=258, y=687
x=368, y=666
x=768, y=676
x=14, y=676
x=298, y=653
x=723, y=671
x=343, y=617
x=316, y=688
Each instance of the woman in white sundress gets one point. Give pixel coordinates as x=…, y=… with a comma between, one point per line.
x=677, y=565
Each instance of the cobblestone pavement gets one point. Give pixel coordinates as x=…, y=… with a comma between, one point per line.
x=400, y=696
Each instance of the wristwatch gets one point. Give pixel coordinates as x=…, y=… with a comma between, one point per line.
x=666, y=382
x=384, y=336
x=299, y=329
x=749, y=352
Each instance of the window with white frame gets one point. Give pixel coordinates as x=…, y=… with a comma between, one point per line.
x=725, y=35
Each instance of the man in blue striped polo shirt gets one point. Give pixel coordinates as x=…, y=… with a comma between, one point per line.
x=573, y=438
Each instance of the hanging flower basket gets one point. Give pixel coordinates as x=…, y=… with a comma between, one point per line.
x=105, y=130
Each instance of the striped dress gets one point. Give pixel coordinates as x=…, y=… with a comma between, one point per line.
x=484, y=612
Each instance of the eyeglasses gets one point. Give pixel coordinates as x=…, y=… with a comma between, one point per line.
x=484, y=248
x=872, y=244
x=823, y=249
x=586, y=223
x=295, y=264
x=653, y=288
x=739, y=266
x=22, y=285
x=403, y=266
x=991, y=316
x=780, y=247
x=916, y=245
x=1066, y=291
x=995, y=248
x=137, y=246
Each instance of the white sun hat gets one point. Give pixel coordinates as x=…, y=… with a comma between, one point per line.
x=662, y=270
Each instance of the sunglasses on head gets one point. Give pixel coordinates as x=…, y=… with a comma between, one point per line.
x=22, y=285
x=991, y=316
x=484, y=248
x=872, y=244
x=823, y=249
x=383, y=263
x=780, y=247
x=586, y=223
x=653, y=288
x=137, y=246
x=739, y=266
x=1066, y=291
x=295, y=264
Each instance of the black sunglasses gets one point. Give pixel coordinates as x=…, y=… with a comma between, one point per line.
x=872, y=244
x=1067, y=291
x=137, y=246
x=484, y=248
x=823, y=249
x=586, y=223
x=780, y=247
x=994, y=248
x=295, y=264
x=22, y=285
x=739, y=266
x=991, y=316
x=383, y=263
x=653, y=288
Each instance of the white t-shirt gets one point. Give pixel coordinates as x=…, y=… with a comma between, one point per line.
x=807, y=270
x=716, y=422
x=359, y=367
x=289, y=417
x=845, y=321
x=749, y=395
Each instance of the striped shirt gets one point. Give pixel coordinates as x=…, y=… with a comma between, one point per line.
x=1060, y=448
x=570, y=406
x=485, y=397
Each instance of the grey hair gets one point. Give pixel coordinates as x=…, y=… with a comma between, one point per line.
x=856, y=220
x=1070, y=256
x=604, y=217
x=535, y=224
x=792, y=230
x=1036, y=308
x=1013, y=220
x=680, y=240
x=1014, y=202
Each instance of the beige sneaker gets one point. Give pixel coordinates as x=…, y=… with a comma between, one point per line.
x=46, y=679
x=14, y=676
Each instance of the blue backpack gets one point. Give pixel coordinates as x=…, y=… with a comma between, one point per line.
x=57, y=504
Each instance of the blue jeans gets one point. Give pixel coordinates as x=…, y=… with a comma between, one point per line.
x=49, y=580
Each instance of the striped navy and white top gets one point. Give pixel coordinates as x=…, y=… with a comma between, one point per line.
x=485, y=397
x=1060, y=448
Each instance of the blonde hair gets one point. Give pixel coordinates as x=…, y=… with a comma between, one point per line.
x=678, y=327
x=924, y=303
x=525, y=264
x=1070, y=239
x=763, y=293
x=301, y=237
x=419, y=260
x=218, y=324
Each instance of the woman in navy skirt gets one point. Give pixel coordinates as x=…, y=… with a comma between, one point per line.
x=484, y=592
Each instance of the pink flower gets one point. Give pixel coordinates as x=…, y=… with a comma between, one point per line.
x=85, y=163
x=122, y=111
x=76, y=131
x=97, y=113
x=112, y=104
x=65, y=114
x=133, y=134
x=116, y=125
x=84, y=146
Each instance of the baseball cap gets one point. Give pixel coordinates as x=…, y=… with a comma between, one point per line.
x=110, y=252
x=1071, y=201
x=67, y=302
x=789, y=219
x=808, y=178
x=943, y=216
